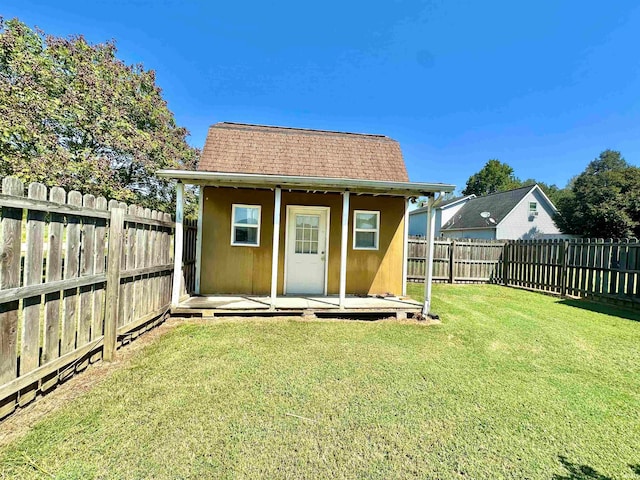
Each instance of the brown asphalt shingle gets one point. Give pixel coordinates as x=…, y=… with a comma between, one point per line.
x=242, y=148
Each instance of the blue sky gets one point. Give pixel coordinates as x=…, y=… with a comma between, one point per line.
x=544, y=86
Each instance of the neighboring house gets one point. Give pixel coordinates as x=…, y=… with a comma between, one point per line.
x=444, y=212
x=294, y=211
x=524, y=213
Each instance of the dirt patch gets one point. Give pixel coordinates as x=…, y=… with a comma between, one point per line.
x=22, y=420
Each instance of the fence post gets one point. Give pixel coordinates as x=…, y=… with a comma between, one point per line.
x=452, y=261
x=505, y=264
x=116, y=233
x=563, y=268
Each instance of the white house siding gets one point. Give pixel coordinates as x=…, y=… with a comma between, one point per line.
x=418, y=224
x=481, y=233
x=418, y=221
x=518, y=224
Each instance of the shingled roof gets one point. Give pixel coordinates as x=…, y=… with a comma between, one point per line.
x=443, y=204
x=497, y=204
x=259, y=149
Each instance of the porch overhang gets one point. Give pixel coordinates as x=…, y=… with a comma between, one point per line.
x=317, y=184
x=277, y=183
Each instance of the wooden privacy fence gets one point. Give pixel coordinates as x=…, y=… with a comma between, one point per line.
x=456, y=260
x=79, y=276
x=190, y=232
x=601, y=269
x=597, y=268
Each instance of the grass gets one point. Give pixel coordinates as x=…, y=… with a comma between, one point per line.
x=512, y=384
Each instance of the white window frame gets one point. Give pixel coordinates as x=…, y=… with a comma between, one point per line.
x=533, y=209
x=377, y=230
x=234, y=225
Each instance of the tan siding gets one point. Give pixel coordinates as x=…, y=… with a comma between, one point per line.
x=247, y=270
x=239, y=269
x=377, y=271
x=334, y=202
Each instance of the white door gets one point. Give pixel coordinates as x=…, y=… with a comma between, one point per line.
x=306, y=250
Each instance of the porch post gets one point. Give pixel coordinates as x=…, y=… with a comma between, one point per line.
x=428, y=264
x=199, y=240
x=177, y=241
x=343, y=248
x=405, y=251
x=276, y=245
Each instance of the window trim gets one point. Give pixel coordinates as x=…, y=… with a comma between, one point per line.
x=376, y=230
x=535, y=209
x=234, y=225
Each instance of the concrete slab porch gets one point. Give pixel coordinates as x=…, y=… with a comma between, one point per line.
x=211, y=305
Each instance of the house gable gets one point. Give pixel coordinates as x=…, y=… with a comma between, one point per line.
x=508, y=216
x=521, y=224
x=498, y=205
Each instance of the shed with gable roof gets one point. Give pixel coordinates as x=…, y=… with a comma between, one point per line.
x=291, y=211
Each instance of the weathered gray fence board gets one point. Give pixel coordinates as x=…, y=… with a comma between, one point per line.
x=54, y=274
x=146, y=262
x=609, y=269
x=33, y=265
x=10, y=278
x=463, y=260
x=116, y=230
x=127, y=288
x=167, y=252
x=87, y=263
x=71, y=268
x=99, y=267
x=53, y=286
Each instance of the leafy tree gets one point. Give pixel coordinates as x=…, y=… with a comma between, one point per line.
x=603, y=201
x=497, y=176
x=72, y=114
x=494, y=177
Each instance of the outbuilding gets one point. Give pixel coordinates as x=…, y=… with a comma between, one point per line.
x=291, y=211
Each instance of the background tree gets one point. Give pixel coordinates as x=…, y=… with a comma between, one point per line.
x=494, y=177
x=603, y=201
x=72, y=114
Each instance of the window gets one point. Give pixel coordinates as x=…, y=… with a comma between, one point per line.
x=533, y=207
x=307, y=227
x=366, y=230
x=245, y=225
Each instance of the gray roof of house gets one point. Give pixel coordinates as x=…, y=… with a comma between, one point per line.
x=497, y=204
x=443, y=204
x=455, y=200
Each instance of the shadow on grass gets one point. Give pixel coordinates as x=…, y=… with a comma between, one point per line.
x=603, y=308
x=578, y=472
x=584, y=472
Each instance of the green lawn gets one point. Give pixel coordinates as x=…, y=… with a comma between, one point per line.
x=512, y=384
